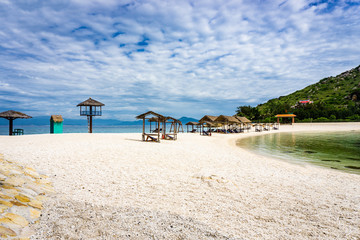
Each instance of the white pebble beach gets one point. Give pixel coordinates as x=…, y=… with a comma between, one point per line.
x=114, y=186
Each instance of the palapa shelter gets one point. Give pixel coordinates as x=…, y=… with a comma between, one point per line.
x=180, y=126
x=152, y=116
x=90, y=108
x=227, y=121
x=154, y=120
x=172, y=135
x=56, y=124
x=192, y=124
x=244, y=121
x=207, y=121
x=208, y=118
x=208, y=125
x=288, y=115
x=11, y=115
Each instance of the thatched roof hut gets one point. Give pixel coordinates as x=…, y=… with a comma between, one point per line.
x=192, y=123
x=243, y=119
x=208, y=124
x=151, y=117
x=142, y=116
x=171, y=119
x=56, y=118
x=90, y=108
x=174, y=128
x=207, y=118
x=90, y=102
x=227, y=119
x=11, y=115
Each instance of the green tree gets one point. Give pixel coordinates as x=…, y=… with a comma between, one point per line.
x=252, y=113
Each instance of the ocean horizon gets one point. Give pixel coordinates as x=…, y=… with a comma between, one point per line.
x=45, y=129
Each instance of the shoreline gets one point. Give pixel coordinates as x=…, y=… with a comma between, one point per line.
x=197, y=187
x=139, y=128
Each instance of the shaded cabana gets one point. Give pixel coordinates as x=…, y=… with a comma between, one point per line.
x=90, y=108
x=208, y=125
x=156, y=128
x=289, y=115
x=180, y=126
x=11, y=116
x=192, y=124
x=207, y=121
x=226, y=121
x=244, y=121
x=208, y=118
x=172, y=135
x=152, y=116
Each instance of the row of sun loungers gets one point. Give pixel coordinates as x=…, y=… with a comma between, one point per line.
x=259, y=127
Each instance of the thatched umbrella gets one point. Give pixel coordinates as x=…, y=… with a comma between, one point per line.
x=11, y=116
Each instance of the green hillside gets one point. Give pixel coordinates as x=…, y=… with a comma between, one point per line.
x=333, y=98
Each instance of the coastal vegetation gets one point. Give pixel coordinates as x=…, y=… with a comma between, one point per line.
x=330, y=99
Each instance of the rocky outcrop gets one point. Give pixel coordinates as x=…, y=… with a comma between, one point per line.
x=22, y=192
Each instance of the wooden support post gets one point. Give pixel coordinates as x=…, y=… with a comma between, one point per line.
x=90, y=125
x=143, y=135
x=158, y=130
x=11, y=126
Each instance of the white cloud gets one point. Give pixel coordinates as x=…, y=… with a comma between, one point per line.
x=180, y=57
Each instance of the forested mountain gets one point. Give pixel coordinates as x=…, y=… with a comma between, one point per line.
x=330, y=98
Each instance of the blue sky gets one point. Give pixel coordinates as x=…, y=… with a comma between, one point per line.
x=178, y=58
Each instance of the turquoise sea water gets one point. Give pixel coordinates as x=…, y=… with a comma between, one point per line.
x=45, y=129
x=337, y=150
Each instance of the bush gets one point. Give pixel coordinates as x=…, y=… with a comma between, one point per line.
x=270, y=120
x=354, y=117
x=321, y=119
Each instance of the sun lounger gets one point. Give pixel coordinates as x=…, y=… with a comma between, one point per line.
x=169, y=137
x=206, y=133
x=150, y=138
x=258, y=128
x=156, y=130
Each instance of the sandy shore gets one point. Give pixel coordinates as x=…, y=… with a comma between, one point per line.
x=113, y=186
